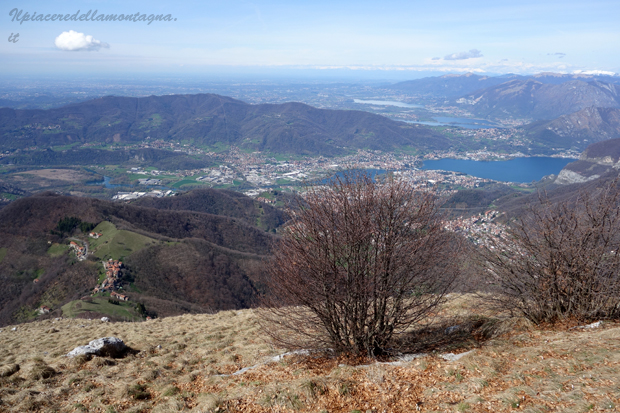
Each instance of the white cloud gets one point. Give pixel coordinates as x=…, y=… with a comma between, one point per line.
x=73, y=41
x=473, y=53
x=594, y=72
x=464, y=66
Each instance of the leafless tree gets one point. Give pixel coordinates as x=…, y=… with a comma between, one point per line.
x=359, y=262
x=560, y=261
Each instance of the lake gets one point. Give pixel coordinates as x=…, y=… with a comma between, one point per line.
x=467, y=123
x=388, y=103
x=106, y=183
x=514, y=170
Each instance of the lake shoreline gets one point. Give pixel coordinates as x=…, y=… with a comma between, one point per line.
x=521, y=169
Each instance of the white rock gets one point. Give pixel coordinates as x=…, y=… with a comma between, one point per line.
x=105, y=319
x=455, y=357
x=106, y=346
x=14, y=329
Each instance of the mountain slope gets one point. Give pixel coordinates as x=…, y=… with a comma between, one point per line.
x=448, y=86
x=454, y=86
x=158, y=158
x=220, y=202
x=193, y=261
x=209, y=120
x=577, y=129
x=533, y=99
x=599, y=159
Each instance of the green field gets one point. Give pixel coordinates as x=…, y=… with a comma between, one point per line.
x=122, y=311
x=6, y=195
x=117, y=244
x=57, y=250
x=186, y=182
x=2, y=254
x=64, y=147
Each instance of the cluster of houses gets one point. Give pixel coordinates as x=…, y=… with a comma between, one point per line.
x=44, y=309
x=95, y=235
x=480, y=229
x=113, y=275
x=266, y=200
x=80, y=250
x=121, y=297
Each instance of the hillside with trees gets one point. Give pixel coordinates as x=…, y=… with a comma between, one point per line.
x=210, y=120
x=180, y=260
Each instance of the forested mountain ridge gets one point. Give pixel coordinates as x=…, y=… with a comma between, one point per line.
x=210, y=120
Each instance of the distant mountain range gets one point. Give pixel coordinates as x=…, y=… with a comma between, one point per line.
x=211, y=120
x=577, y=130
x=456, y=86
x=537, y=97
x=449, y=86
x=533, y=99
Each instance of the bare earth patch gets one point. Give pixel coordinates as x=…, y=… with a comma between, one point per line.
x=58, y=174
x=523, y=369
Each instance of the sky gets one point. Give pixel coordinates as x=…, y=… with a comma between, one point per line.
x=403, y=39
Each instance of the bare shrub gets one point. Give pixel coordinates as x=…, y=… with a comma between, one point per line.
x=40, y=370
x=359, y=262
x=138, y=392
x=560, y=261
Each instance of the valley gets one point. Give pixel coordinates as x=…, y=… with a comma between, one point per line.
x=321, y=207
x=188, y=192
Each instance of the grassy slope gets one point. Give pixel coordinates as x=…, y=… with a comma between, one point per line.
x=56, y=250
x=100, y=305
x=525, y=370
x=117, y=244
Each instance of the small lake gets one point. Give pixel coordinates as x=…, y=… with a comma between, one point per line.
x=467, y=123
x=514, y=170
x=106, y=183
x=388, y=103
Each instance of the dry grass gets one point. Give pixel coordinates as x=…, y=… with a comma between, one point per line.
x=58, y=174
x=510, y=369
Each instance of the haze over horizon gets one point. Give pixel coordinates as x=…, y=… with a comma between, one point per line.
x=396, y=40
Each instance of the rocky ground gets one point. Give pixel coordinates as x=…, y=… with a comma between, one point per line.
x=188, y=363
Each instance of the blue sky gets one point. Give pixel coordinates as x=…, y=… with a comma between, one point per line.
x=404, y=37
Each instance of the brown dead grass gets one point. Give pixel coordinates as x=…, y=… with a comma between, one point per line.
x=58, y=174
x=514, y=368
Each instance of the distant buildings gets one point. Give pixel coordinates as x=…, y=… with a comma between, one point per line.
x=80, y=251
x=44, y=309
x=113, y=275
x=149, y=181
x=127, y=196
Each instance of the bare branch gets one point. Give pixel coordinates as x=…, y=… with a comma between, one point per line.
x=561, y=261
x=359, y=262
